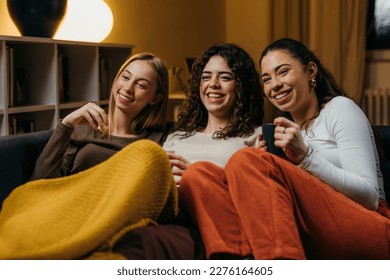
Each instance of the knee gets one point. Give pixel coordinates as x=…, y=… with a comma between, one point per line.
x=149, y=158
x=149, y=151
x=248, y=157
x=197, y=173
x=197, y=177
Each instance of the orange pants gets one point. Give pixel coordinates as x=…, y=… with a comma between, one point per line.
x=264, y=206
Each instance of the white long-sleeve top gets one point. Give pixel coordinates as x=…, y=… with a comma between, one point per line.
x=344, y=152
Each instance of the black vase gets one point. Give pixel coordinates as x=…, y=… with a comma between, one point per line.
x=37, y=18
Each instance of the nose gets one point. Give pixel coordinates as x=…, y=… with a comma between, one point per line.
x=128, y=87
x=276, y=84
x=214, y=83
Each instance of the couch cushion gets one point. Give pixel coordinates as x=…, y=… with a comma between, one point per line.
x=18, y=154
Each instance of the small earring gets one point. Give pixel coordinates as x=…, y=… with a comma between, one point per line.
x=312, y=83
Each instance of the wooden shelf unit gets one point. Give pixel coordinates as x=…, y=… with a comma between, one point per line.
x=43, y=79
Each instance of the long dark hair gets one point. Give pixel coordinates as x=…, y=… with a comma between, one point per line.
x=248, y=112
x=326, y=85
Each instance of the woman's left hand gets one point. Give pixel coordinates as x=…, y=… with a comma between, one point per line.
x=260, y=143
x=288, y=137
x=179, y=165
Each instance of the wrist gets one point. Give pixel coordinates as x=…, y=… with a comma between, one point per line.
x=307, y=154
x=67, y=123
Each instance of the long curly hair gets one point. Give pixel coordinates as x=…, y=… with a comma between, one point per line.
x=326, y=86
x=248, y=112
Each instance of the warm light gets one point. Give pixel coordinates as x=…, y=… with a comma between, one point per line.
x=86, y=20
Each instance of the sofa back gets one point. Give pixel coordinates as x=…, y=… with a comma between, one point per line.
x=383, y=146
x=18, y=154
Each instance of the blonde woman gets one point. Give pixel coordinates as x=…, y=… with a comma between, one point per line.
x=110, y=174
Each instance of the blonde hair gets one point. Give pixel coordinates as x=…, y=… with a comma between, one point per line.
x=151, y=118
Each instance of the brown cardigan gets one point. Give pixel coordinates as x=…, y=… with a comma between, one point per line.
x=71, y=150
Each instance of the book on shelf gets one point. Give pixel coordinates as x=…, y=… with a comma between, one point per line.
x=20, y=95
x=104, y=78
x=10, y=72
x=17, y=80
x=63, y=76
x=17, y=126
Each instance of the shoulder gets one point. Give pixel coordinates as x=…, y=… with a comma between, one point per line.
x=176, y=136
x=343, y=114
x=343, y=108
x=340, y=102
x=155, y=136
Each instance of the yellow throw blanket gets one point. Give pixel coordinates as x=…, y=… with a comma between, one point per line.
x=70, y=217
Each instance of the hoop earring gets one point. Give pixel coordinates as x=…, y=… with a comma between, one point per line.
x=312, y=83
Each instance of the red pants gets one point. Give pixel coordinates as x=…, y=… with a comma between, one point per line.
x=263, y=205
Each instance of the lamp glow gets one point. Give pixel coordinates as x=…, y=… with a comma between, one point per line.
x=86, y=20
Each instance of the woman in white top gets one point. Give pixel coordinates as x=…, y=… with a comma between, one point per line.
x=325, y=199
x=223, y=110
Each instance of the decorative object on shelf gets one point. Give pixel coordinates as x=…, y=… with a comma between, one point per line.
x=37, y=18
x=104, y=78
x=175, y=82
x=20, y=93
x=63, y=75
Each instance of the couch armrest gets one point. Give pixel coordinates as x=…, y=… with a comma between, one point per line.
x=18, y=154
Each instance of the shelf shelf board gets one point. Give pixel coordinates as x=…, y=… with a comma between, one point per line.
x=30, y=108
x=104, y=102
x=72, y=105
x=29, y=40
x=176, y=96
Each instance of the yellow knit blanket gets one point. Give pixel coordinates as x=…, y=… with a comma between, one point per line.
x=70, y=217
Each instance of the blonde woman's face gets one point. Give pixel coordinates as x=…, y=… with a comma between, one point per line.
x=136, y=87
x=218, y=87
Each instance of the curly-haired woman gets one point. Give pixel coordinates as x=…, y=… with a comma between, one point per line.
x=223, y=110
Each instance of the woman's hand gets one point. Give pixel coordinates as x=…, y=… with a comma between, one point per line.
x=260, y=143
x=288, y=137
x=178, y=163
x=90, y=114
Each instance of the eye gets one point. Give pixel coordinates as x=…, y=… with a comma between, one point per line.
x=226, y=78
x=283, y=71
x=205, y=77
x=142, y=85
x=266, y=80
x=125, y=77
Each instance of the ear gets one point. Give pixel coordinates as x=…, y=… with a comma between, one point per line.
x=156, y=99
x=313, y=70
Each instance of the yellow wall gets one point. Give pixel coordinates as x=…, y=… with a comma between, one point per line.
x=248, y=25
x=174, y=29
x=7, y=27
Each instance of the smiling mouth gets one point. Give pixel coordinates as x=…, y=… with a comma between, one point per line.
x=281, y=95
x=125, y=98
x=215, y=95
